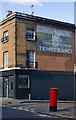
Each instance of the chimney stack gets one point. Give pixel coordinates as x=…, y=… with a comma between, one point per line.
x=9, y=13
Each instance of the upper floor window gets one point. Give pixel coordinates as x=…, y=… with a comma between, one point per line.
x=5, y=59
x=30, y=34
x=5, y=36
x=31, y=55
x=31, y=59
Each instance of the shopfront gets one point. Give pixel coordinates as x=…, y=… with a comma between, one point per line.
x=35, y=84
x=14, y=85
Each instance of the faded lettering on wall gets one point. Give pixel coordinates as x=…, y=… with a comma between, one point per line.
x=54, y=40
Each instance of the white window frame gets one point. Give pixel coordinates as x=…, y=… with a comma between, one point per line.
x=5, y=55
x=31, y=58
x=30, y=33
x=20, y=85
x=5, y=35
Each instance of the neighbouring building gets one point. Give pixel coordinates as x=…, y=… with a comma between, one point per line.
x=36, y=54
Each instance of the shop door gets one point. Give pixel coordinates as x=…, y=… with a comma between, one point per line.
x=6, y=87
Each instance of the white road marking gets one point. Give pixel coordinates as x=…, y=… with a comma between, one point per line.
x=14, y=107
x=4, y=105
x=26, y=109
x=20, y=108
x=32, y=110
x=42, y=115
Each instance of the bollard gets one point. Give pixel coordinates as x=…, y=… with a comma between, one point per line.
x=53, y=99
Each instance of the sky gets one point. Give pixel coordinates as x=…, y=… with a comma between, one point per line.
x=52, y=9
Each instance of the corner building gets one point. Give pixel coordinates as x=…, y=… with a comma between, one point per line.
x=36, y=54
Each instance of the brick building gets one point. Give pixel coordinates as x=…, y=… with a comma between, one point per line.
x=36, y=51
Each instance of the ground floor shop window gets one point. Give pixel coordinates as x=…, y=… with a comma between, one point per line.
x=23, y=81
x=11, y=86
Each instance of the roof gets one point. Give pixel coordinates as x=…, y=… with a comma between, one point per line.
x=37, y=19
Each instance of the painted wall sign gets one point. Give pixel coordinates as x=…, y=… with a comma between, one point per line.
x=54, y=40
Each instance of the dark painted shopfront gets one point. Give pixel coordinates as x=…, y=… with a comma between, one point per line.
x=35, y=84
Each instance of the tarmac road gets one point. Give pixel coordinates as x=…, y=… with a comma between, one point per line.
x=23, y=112
x=66, y=110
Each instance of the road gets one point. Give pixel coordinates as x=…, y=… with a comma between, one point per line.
x=24, y=111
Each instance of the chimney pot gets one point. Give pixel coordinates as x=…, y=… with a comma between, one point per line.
x=9, y=12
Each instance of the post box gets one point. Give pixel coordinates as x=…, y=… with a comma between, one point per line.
x=53, y=99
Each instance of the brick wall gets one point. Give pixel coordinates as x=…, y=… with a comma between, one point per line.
x=22, y=43
x=18, y=45
x=10, y=45
x=57, y=62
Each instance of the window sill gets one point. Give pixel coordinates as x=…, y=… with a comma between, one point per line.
x=29, y=39
x=5, y=41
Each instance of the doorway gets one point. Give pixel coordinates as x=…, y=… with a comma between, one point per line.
x=5, y=92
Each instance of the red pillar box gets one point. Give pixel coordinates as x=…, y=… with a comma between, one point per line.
x=53, y=99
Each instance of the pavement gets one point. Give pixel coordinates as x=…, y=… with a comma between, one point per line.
x=65, y=109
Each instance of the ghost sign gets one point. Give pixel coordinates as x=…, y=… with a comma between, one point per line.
x=54, y=40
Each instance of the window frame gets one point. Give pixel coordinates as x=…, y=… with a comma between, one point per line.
x=20, y=84
x=5, y=59
x=31, y=58
x=30, y=34
x=31, y=55
x=5, y=36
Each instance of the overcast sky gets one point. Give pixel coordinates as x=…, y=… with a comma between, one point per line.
x=52, y=9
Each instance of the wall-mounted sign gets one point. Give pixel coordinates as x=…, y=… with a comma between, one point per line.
x=54, y=40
